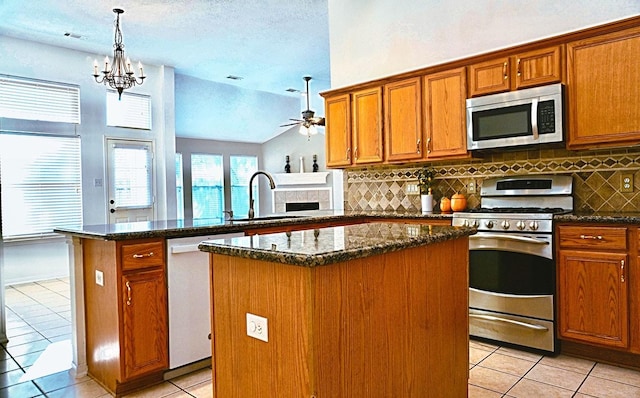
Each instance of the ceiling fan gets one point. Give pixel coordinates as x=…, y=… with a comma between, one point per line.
x=308, y=121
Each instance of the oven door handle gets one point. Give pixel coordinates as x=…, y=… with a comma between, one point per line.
x=506, y=320
x=513, y=238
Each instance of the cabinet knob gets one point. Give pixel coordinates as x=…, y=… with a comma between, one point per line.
x=112, y=210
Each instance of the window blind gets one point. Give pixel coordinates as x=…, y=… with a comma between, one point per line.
x=207, y=184
x=242, y=168
x=39, y=100
x=41, y=184
x=131, y=111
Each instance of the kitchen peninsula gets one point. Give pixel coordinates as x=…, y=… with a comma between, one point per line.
x=372, y=309
x=121, y=274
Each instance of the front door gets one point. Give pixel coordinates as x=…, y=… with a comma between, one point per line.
x=130, y=192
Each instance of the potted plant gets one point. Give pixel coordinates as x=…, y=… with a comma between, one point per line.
x=426, y=179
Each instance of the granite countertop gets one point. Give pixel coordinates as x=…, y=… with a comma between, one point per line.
x=185, y=228
x=322, y=246
x=599, y=217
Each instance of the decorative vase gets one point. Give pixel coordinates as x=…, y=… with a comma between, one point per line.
x=427, y=203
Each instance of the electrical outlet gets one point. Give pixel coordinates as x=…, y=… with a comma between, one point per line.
x=411, y=188
x=471, y=187
x=99, y=278
x=257, y=327
x=626, y=183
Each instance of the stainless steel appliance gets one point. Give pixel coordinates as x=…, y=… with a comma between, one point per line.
x=516, y=118
x=511, y=259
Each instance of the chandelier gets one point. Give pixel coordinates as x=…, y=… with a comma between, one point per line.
x=118, y=75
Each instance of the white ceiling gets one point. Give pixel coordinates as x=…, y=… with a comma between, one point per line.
x=272, y=44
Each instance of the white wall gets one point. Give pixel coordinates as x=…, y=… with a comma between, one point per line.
x=206, y=109
x=377, y=38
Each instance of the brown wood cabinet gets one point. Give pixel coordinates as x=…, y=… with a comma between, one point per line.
x=403, y=120
x=367, y=125
x=389, y=325
x=444, y=114
x=527, y=69
x=593, y=285
x=126, y=312
x=338, y=130
x=603, y=79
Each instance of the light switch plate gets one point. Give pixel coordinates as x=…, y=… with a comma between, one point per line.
x=257, y=327
x=411, y=188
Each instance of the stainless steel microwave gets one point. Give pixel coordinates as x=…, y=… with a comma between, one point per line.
x=523, y=117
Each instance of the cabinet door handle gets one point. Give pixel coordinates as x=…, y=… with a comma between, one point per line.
x=150, y=254
x=622, y=271
x=418, y=145
x=355, y=153
x=128, y=285
x=599, y=237
x=504, y=71
x=349, y=153
x=429, y=145
x=518, y=67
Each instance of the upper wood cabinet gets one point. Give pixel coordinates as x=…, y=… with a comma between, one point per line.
x=444, y=114
x=367, y=125
x=338, y=130
x=603, y=79
x=527, y=69
x=403, y=120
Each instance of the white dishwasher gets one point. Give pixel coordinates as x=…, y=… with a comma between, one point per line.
x=189, y=299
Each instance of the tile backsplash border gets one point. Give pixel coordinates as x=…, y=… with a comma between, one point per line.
x=596, y=177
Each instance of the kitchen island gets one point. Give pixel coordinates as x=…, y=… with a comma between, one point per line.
x=374, y=309
x=120, y=278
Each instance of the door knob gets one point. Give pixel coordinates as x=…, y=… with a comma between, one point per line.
x=112, y=210
x=112, y=201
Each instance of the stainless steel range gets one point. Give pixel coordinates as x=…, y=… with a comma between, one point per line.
x=511, y=259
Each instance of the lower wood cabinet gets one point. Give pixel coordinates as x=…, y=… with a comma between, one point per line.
x=126, y=312
x=597, y=296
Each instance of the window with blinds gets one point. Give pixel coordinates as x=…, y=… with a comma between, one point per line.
x=179, y=187
x=207, y=186
x=242, y=168
x=41, y=184
x=30, y=99
x=131, y=111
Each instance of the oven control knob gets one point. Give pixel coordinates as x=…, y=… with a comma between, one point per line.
x=465, y=223
x=520, y=225
x=505, y=224
x=475, y=224
x=488, y=224
x=533, y=225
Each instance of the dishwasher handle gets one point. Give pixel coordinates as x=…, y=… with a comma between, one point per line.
x=177, y=249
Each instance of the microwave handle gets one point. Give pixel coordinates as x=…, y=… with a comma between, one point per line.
x=534, y=118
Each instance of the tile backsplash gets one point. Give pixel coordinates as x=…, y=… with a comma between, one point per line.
x=596, y=176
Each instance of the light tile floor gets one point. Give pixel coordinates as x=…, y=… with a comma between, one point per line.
x=38, y=314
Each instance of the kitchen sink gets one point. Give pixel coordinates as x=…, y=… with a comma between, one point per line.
x=266, y=218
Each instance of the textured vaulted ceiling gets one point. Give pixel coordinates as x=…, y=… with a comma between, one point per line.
x=272, y=44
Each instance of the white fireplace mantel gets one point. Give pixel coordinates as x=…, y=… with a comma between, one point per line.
x=319, y=177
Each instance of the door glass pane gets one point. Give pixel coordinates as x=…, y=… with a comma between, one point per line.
x=242, y=168
x=207, y=184
x=132, y=176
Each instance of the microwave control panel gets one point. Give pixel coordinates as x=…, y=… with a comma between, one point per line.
x=546, y=117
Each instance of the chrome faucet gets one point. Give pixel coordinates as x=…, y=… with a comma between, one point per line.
x=271, y=184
